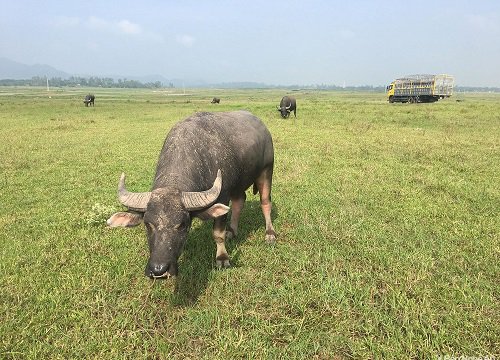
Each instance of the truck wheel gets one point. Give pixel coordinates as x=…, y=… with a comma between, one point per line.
x=391, y=99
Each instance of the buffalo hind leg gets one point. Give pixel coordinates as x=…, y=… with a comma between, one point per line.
x=219, y=233
x=263, y=186
x=237, y=203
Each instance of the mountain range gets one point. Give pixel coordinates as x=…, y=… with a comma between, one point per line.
x=10, y=69
x=14, y=70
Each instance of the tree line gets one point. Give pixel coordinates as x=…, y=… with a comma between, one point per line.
x=75, y=81
x=107, y=82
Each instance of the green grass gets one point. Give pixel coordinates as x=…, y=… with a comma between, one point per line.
x=387, y=216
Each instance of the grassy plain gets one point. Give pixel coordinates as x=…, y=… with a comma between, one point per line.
x=387, y=216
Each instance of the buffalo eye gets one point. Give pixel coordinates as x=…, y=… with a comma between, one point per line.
x=180, y=226
x=183, y=224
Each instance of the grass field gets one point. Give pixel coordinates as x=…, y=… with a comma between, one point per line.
x=387, y=218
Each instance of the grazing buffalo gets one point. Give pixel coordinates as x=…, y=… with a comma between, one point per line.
x=215, y=101
x=89, y=100
x=207, y=160
x=287, y=105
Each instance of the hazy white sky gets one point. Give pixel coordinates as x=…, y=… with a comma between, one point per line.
x=276, y=42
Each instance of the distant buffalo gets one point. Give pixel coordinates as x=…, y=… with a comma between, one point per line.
x=89, y=100
x=287, y=105
x=215, y=101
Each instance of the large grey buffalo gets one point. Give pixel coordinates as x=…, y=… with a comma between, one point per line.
x=207, y=160
x=287, y=105
x=89, y=100
x=215, y=100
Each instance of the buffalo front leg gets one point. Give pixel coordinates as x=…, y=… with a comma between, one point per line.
x=263, y=185
x=237, y=203
x=219, y=233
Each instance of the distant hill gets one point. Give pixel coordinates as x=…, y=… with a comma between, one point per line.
x=10, y=69
x=14, y=70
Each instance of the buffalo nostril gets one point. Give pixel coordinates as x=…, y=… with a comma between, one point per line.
x=159, y=269
x=156, y=270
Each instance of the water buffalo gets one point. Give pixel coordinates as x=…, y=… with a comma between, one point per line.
x=215, y=101
x=287, y=104
x=207, y=160
x=89, y=100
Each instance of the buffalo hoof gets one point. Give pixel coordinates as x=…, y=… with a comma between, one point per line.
x=270, y=237
x=222, y=263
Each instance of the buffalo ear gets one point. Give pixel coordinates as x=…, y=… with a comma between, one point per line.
x=125, y=219
x=212, y=212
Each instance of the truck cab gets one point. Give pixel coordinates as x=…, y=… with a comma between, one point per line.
x=390, y=92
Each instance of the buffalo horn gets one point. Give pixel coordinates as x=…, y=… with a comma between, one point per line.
x=202, y=199
x=133, y=201
x=289, y=106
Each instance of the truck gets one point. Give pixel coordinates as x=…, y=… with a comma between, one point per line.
x=422, y=88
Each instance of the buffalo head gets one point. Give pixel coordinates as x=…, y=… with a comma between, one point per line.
x=284, y=110
x=166, y=213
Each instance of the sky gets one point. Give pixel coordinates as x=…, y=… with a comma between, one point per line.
x=278, y=42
